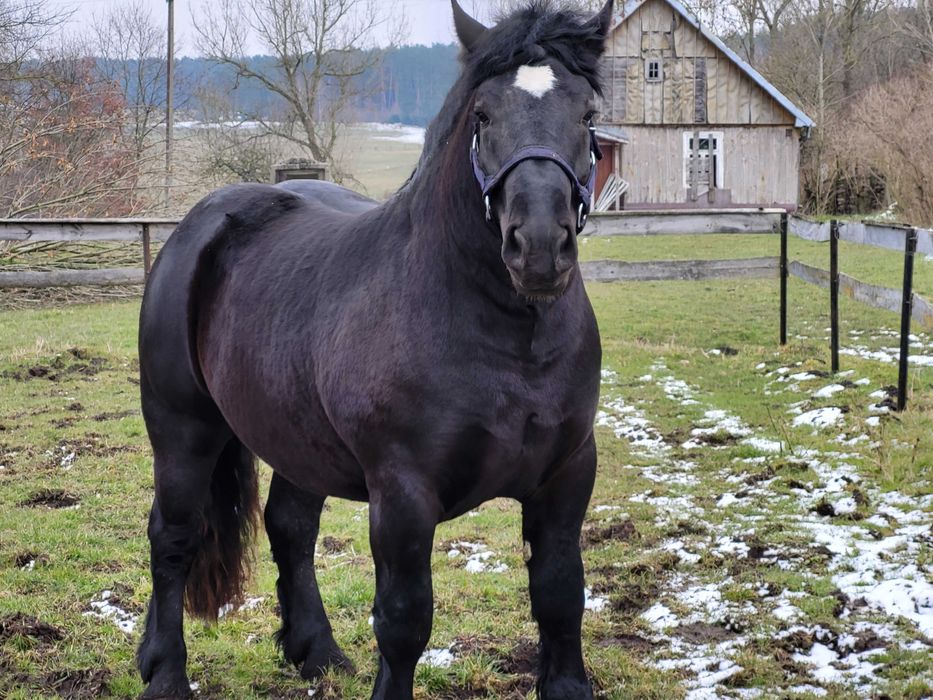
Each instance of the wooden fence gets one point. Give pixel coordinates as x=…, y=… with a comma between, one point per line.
x=627, y=223
x=143, y=231
x=146, y=231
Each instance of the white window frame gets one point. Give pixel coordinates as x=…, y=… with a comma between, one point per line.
x=717, y=151
x=660, y=77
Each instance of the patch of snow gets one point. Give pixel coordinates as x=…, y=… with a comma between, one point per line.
x=438, y=658
x=828, y=391
x=819, y=417
x=103, y=609
x=593, y=603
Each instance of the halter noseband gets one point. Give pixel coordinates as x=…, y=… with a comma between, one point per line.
x=582, y=191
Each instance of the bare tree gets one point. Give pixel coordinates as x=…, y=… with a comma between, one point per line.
x=892, y=122
x=61, y=149
x=24, y=25
x=319, y=50
x=233, y=150
x=130, y=47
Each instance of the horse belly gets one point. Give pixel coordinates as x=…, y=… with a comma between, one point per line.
x=287, y=428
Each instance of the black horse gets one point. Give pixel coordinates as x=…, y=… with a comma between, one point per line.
x=425, y=355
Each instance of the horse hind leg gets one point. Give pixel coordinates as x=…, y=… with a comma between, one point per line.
x=204, y=510
x=306, y=638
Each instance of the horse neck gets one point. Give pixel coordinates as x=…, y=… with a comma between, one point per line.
x=449, y=220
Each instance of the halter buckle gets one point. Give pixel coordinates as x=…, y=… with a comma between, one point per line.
x=488, y=208
x=581, y=218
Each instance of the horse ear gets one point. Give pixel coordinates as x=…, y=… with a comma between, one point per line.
x=604, y=18
x=468, y=29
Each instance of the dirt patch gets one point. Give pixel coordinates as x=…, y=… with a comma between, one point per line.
x=114, y=415
x=52, y=499
x=720, y=438
x=523, y=658
x=510, y=689
x=685, y=528
x=91, y=445
x=22, y=625
x=764, y=475
x=62, y=423
x=633, y=598
x=277, y=692
x=29, y=559
x=622, y=532
x=78, y=685
x=703, y=633
x=75, y=407
x=336, y=545
x=630, y=642
x=75, y=361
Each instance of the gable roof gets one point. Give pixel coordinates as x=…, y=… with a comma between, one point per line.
x=802, y=120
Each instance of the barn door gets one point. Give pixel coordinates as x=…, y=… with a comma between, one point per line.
x=703, y=165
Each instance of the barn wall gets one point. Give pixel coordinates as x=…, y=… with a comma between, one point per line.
x=760, y=167
x=700, y=83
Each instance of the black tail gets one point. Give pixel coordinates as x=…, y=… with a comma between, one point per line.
x=222, y=566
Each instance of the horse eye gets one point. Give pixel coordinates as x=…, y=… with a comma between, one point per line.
x=483, y=119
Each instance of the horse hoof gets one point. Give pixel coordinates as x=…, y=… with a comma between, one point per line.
x=167, y=691
x=313, y=668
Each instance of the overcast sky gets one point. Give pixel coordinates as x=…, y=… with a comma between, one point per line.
x=429, y=21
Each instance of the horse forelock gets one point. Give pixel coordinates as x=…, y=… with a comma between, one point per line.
x=532, y=35
x=526, y=37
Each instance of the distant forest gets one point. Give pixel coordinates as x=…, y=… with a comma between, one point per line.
x=408, y=86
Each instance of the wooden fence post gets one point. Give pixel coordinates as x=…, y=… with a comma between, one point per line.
x=910, y=248
x=147, y=251
x=834, y=293
x=783, y=274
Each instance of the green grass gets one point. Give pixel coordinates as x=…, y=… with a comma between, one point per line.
x=91, y=408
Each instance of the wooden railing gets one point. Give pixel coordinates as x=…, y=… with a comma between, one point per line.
x=143, y=231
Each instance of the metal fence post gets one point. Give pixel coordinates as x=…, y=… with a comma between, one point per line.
x=147, y=251
x=783, y=273
x=834, y=293
x=910, y=248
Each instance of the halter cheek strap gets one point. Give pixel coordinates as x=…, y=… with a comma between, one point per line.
x=583, y=192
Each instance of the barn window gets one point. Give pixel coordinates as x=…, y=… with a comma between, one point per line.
x=706, y=171
x=653, y=70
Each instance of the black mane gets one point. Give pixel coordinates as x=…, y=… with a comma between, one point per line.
x=528, y=36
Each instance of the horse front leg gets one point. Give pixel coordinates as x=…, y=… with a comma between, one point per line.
x=402, y=520
x=551, y=521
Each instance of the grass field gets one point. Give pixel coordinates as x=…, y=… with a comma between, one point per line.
x=734, y=549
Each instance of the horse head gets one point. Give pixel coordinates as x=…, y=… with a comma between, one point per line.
x=534, y=148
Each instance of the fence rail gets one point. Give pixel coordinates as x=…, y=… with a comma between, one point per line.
x=75, y=230
x=890, y=236
x=682, y=222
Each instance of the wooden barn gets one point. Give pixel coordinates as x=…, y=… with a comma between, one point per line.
x=692, y=125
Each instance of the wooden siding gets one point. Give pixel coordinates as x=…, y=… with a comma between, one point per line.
x=760, y=166
x=699, y=85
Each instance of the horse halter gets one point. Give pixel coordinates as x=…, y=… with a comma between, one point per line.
x=582, y=191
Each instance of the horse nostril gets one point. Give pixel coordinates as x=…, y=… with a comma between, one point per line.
x=513, y=246
x=563, y=242
x=521, y=241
